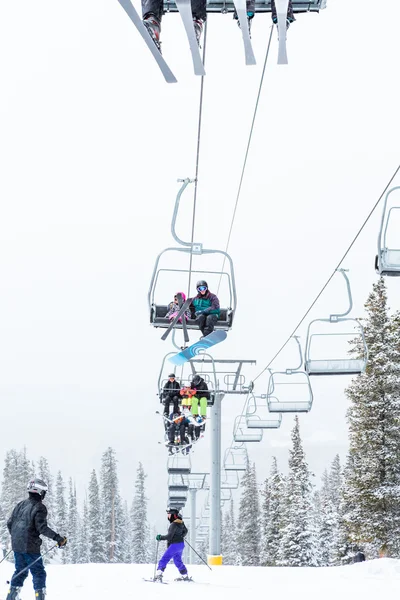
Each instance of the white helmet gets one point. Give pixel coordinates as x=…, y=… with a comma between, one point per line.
x=37, y=486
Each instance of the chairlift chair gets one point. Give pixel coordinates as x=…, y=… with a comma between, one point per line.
x=236, y=459
x=289, y=391
x=261, y=6
x=158, y=311
x=179, y=464
x=344, y=365
x=186, y=375
x=387, y=261
x=242, y=433
x=229, y=480
x=258, y=415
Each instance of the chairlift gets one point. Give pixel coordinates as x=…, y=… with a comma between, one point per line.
x=289, y=391
x=186, y=376
x=236, y=459
x=258, y=415
x=226, y=494
x=179, y=464
x=242, y=433
x=158, y=311
x=229, y=480
x=344, y=365
x=387, y=261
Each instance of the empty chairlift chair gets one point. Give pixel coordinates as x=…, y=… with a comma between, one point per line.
x=236, y=459
x=242, y=433
x=229, y=480
x=179, y=464
x=159, y=310
x=387, y=261
x=289, y=391
x=331, y=335
x=258, y=415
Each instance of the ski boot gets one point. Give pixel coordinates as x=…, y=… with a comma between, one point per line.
x=159, y=575
x=13, y=593
x=153, y=26
x=250, y=16
x=198, y=29
x=40, y=594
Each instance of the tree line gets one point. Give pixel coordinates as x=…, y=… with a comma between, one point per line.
x=104, y=530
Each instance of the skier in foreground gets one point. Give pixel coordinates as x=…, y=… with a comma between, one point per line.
x=206, y=308
x=175, y=538
x=152, y=11
x=27, y=522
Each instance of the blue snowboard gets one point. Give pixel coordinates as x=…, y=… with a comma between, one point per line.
x=202, y=345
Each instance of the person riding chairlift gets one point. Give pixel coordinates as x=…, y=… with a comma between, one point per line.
x=206, y=308
x=173, y=308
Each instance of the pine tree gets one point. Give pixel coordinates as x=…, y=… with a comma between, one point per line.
x=115, y=535
x=139, y=523
x=95, y=538
x=371, y=486
x=298, y=541
x=228, y=538
x=248, y=530
x=73, y=526
x=43, y=472
x=272, y=516
x=328, y=524
x=84, y=554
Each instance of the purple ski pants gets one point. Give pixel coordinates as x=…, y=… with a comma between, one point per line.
x=175, y=552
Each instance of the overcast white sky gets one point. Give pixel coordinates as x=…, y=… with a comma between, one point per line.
x=92, y=143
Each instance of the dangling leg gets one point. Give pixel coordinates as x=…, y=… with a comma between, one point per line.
x=151, y=14
x=290, y=14
x=195, y=406
x=250, y=7
x=211, y=321
x=199, y=12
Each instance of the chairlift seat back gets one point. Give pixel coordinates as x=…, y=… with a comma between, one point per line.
x=158, y=318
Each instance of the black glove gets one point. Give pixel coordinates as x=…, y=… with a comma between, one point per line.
x=61, y=541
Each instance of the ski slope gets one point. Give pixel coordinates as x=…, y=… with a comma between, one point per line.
x=370, y=580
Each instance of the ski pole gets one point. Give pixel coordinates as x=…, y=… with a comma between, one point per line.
x=201, y=558
x=33, y=562
x=155, y=564
x=4, y=557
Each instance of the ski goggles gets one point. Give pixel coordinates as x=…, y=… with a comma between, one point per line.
x=202, y=288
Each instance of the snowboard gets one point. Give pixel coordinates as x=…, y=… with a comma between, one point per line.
x=198, y=347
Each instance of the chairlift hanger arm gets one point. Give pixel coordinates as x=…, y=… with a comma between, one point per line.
x=383, y=220
x=336, y=317
x=185, y=183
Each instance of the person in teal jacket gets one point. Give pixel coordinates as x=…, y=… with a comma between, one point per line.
x=206, y=308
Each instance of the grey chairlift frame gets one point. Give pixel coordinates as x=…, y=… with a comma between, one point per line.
x=236, y=458
x=384, y=264
x=241, y=433
x=212, y=374
x=293, y=378
x=229, y=480
x=179, y=464
x=195, y=249
x=345, y=366
x=227, y=6
x=258, y=415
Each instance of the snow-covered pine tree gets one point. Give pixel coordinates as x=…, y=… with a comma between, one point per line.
x=16, y=474
x=84, y=554
x=43, y=472
x=72, y=547
x=371, y=490
x=4, y=535
x=60, y=510
x=228, y=540
x=336, y=491
x=272, y=516
x=95, y=537
x=139, y=525
x=114, y=533
x=327, y=533
x=298, y=541
x=248, y=523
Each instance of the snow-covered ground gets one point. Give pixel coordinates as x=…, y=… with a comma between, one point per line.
x=370, y=580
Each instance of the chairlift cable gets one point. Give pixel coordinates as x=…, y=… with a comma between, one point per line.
x=332, y=274
x=197, y=159
x=246, y=155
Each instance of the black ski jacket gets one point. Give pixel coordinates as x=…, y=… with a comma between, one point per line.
x=27, y=522
x=176, y=532
x=171, y=388
x=201, y=387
